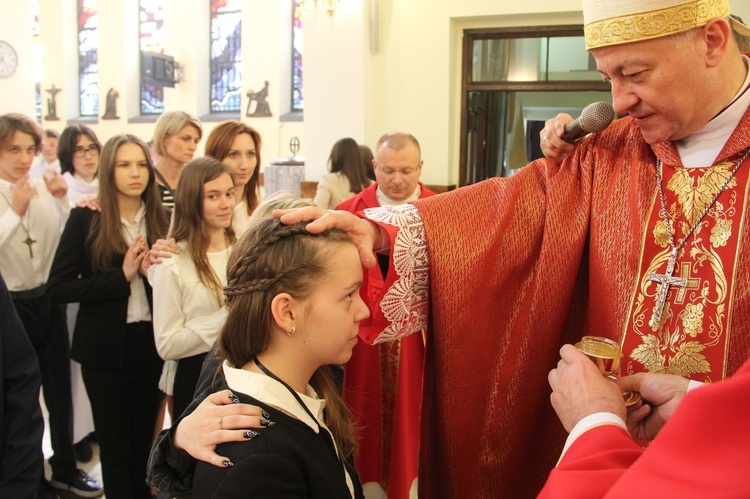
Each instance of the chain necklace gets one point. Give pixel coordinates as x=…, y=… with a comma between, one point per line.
x=666, y=279
x=28, y=241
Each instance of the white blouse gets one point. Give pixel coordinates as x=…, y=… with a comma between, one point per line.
x=187, y=317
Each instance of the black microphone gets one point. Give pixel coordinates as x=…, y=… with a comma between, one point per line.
x=594, y=118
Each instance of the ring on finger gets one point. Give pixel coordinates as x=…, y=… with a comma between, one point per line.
x=220, y=419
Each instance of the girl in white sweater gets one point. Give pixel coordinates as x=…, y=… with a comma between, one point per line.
x=188, y=300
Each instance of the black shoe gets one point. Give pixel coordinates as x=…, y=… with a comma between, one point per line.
x=78, y=483
x=46, y=491
x=83, y=450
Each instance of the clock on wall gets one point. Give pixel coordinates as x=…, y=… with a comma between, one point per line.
x=8, y=59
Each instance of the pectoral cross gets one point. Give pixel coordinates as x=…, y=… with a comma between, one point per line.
x=666, y=280
x=28, y=242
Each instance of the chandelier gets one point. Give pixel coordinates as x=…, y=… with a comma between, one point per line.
x=329, y=6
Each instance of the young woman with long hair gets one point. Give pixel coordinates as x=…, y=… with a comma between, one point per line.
x=348, y=175
x=188, y=287
x=237, y=145
x=293, y=309
x=97, y=263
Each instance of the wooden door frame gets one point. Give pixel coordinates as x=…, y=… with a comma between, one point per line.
x=467, y=85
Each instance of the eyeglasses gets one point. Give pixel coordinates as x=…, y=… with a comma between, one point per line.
x=80, y=152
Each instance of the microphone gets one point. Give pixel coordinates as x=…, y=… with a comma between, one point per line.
x=594, y=118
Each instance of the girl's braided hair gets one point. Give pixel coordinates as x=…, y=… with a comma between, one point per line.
x=273, y=258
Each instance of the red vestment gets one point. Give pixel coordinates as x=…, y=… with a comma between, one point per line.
x=517, y=267
x=702, y=451
x=383, y=388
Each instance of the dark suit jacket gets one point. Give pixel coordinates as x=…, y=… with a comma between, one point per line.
x=287, y=460
x=21, y=424
x=171, y=470
x=99, y=335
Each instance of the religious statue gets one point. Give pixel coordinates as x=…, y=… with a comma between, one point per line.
x=110, y=113
x=51, y=104
x=261, y=108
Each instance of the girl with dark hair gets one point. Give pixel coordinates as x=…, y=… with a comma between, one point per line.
x=97, y=263
x=188, y=298
x=293, y=309
x=78, y=152
x=237, y=145
x=348, y=175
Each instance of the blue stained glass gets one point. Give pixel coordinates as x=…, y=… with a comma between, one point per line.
x=298, y=100
x=88, y=71
x=226, y=55
x=152, y=39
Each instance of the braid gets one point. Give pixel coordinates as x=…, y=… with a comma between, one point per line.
x=260, y=279
x=259, y=283
x=266, y=262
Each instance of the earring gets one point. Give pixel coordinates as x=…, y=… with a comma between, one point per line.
x=291, y=333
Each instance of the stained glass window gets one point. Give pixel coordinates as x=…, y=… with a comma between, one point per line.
x=298, y=101
x=34, y=4
x=88, y=71
x=226, y=55
x=153, y=37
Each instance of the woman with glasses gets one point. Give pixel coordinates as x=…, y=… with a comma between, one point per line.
x=78, y=152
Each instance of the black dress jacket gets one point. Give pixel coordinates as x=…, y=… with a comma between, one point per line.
x=99, y=335
x=287, y=459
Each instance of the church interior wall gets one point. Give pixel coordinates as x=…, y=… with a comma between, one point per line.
x=410, y=80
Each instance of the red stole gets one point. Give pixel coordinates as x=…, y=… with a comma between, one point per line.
x=691, y=338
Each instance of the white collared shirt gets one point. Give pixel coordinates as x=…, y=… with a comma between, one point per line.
x=271, y=392
x=138, y=309
x=45, y=220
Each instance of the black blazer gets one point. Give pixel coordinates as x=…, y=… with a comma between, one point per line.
x=21, y=423
x=286, y=460
x=99, y=335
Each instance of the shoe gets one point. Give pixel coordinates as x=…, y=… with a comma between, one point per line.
x=78, y=483
x=83, y=450
x=46, y=491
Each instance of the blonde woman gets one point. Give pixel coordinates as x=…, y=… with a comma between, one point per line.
x=176, y=138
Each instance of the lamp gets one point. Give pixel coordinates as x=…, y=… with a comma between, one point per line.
x=329, y=6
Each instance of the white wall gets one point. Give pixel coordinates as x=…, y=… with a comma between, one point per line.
x=17, y=90
x=412, y=83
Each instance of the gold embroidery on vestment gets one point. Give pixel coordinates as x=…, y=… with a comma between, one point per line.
x=693, y=318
